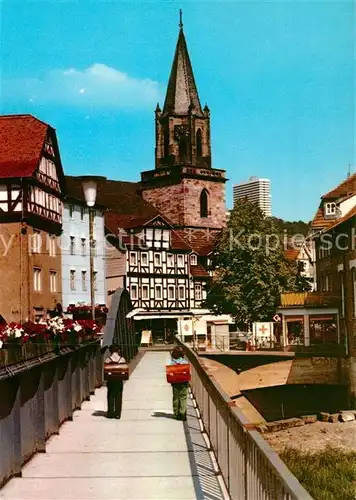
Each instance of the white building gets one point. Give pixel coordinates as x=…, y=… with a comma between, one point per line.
x=76, y=251
x=256, y=191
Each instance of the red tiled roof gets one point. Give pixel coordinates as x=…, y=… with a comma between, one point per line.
x=202, y=242
x=346, y=188
x=21, y=143
x=120, y=197
x=198, y=271
x=292, y=253
x=339, y=221
x=178, y=242
x=115, y=221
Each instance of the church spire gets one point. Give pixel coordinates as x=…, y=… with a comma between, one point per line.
x=182, y=94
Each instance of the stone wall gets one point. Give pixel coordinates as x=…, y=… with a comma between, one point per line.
x=181, y=202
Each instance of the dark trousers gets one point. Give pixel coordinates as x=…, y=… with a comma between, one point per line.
x=115, y=389
x=180, y=394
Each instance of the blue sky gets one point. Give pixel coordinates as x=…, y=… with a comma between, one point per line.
x=279, y=78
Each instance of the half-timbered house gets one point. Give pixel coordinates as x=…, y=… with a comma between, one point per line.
x=31, y=193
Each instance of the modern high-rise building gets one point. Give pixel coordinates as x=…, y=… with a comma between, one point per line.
x=256, y=191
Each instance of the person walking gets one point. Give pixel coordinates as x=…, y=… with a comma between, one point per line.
x=115, y=387
x=180, y=390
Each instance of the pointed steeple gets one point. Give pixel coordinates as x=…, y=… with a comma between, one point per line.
x=182, y=94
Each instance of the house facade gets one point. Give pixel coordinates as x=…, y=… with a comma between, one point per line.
x=75, y=242
x=31, y=207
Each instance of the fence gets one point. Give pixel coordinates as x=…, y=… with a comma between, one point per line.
x=250, y=468
x=37, y=396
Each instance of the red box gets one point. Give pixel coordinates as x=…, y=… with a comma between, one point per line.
x=113, y=371
x=177, y=374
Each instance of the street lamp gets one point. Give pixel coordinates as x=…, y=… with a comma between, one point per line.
x=90, y=184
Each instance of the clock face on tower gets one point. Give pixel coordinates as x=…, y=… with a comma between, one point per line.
x=180, y=131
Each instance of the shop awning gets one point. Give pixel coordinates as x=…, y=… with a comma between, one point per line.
x=141, y=314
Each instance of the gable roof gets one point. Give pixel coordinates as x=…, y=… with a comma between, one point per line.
x=201, y=241
x=21, y=138
x=114, y=222
x=351, y=213
x=120, y=197
x=292, y=253
x=181, y=91
x=346, y=188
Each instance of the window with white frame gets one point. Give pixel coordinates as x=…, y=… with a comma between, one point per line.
x=36, y=241
x=180, y=260
x=52, y=243
x=37, y=279
x=53, y=281
x=171, y=292
x=197, y=291
x=134, y=293
x=158, y=292
x=145, y=292
x=95, y=280
x=82, y=213
x=72, y=245
x=84, y=281
x=133, y=258
x=330, y=208
x=193, y=260
x=181, y=292
x=71, y=211
x=170, y=260
x=158, y=259
x=72, y=279
x=83, y=246
x=144, y=259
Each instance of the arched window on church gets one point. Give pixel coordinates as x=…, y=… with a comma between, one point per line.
x=183, y=148
x=166, y=143
x=199, y=144
x=204, y=203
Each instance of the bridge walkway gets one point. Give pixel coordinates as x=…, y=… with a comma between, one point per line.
x=146, y=455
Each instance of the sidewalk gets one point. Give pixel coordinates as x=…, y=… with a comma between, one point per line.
x=147, y=455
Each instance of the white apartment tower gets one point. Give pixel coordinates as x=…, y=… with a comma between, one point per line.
x=256, y=191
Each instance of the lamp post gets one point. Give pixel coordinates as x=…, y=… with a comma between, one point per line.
x=90, y=184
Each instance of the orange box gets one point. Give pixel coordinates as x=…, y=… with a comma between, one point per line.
x=177, y=374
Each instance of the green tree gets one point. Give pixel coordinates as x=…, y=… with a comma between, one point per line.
x=249, y=267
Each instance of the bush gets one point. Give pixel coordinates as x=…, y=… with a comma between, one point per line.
x=326, y=475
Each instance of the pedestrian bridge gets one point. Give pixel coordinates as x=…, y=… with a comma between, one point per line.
x=145, y=455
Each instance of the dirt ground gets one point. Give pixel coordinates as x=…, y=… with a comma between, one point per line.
x=309, y=437
x=315, y=437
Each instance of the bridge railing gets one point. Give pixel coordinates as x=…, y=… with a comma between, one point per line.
x=38, y=395
x=250, y=468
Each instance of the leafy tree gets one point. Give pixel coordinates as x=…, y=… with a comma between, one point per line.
x=291, y=228
x=249, y=267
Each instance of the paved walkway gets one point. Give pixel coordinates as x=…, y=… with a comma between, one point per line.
x=146, y=455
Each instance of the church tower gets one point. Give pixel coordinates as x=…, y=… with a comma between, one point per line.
x=184, y=186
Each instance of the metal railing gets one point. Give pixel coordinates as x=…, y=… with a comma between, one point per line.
x=250, y=468
x=37, y=396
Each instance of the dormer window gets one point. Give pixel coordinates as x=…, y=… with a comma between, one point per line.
x=330, y=208
x=193, y=260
